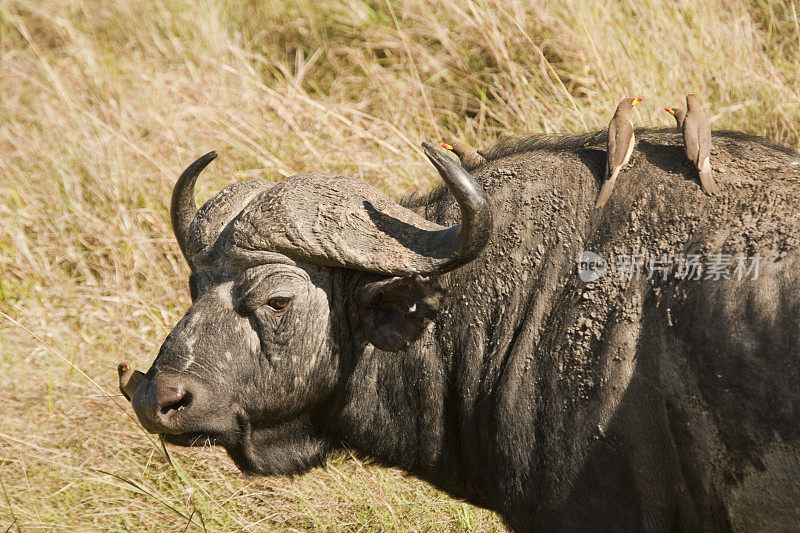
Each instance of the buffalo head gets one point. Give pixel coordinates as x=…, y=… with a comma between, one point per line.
x=289, y=282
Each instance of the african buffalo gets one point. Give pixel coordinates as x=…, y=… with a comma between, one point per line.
x=489, y=362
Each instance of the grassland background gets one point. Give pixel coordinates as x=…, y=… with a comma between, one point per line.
x=102, y=104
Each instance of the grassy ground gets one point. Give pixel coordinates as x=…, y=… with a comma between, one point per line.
x=102, y=104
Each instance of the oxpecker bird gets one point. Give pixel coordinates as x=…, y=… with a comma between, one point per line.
x=619, y=146
x=129, y=380
x=470, y=157
x=697, y=141
x=678, y=113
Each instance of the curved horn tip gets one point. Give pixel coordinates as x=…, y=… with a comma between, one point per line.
x=199, y=164
x=209, y=157
x=440, y=159
x=452, y=173
x=182, y=206
x=430, y=150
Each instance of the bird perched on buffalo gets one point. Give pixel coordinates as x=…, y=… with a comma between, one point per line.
x=619, y=146
x=678, y=113
x=697, y=142
x=129, y=380
x=470, y=157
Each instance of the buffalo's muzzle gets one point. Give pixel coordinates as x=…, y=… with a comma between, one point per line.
x=160, y=404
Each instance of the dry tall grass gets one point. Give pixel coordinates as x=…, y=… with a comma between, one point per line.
x=102, y=104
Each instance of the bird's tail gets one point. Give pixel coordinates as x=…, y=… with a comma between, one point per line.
x=707, y=178
x=605, y=190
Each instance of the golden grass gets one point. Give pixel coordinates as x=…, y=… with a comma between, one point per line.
x=102, y=104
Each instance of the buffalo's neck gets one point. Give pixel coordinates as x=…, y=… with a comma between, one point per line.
x=390, y=407
x=398, y=409
x=439, y=409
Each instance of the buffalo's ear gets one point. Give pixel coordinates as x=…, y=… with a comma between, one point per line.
x=395, y=311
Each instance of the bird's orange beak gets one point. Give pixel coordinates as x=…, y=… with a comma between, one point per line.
x=636, y=101
x=669, y=110
x=447, y=146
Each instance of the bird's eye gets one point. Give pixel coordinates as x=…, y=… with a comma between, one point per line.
x=279, y=303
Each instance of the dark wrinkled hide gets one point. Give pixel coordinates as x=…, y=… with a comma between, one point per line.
x=612, y=406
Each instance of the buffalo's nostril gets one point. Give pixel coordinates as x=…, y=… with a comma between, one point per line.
x=169, y=400
x=169, y=408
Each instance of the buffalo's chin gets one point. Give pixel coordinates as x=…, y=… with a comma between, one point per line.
x=190, y=440
x=285, y=449
x=286, y=460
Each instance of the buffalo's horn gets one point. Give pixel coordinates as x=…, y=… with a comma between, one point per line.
x=183, y=207
x=459, y=244
x=337, y=221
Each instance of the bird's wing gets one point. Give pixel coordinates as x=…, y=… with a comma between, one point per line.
x=691, y=138
x=623, y=133
x=611, y=146
x=704, y=141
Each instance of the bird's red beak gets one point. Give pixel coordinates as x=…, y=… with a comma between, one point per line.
x=636, y=101
x=447, y=146
x=669, y=110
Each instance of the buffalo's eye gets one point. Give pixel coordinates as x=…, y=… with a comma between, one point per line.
x=279, y=303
